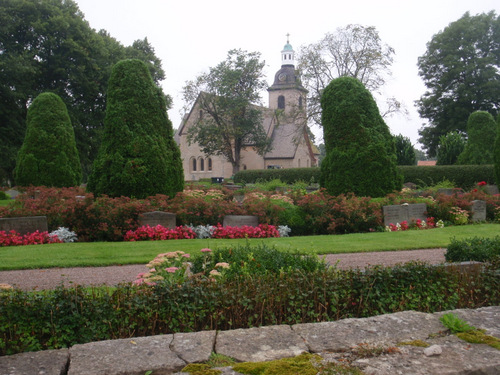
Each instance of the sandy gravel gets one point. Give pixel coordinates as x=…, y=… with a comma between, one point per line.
x=53, y=277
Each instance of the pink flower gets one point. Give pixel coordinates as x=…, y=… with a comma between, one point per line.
x=171, y=269
x=186, y=255
x=222, y=265
x=206, y=250
x=482, y=183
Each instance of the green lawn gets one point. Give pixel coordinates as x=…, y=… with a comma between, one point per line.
x=112, y=253
x=5, y=202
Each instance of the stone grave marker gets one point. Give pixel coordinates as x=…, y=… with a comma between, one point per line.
x=491, y=189
x=165, y=219
x=240, y=220
x=23, y=225
x=405, y=212
x=478, y=210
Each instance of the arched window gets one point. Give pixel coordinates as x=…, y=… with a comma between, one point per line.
x=194, y=165
x=300, y=102
x=202, y=164
x=209, y=164
x=281, y=102
x=244, y=167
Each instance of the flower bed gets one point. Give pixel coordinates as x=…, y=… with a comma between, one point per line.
x=13, y=238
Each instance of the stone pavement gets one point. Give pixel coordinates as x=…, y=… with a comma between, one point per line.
x=168, y=354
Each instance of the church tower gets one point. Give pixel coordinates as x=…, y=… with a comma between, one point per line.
x=287, y=92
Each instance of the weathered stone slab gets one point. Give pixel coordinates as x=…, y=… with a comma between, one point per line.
x=260, y=344
x=478, y=210
x=445, y=191
x=23, y=225
x=49, y=362
x=346, y=333
x=165, y=219
x=133, y=356
x=487, y=318
x=491, y=189
x=405, y=212
x=194, y=347
x=240, y=220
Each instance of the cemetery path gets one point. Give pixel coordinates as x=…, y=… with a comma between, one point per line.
x=53, y=277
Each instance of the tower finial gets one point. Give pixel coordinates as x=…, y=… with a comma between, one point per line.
x=288, y=38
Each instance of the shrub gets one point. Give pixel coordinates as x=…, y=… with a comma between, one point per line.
x=481, y=134
x=48, y=155
x=451, y=145
x=286, y=175
x=473, y=249
x=360, y=151
x=405, y=152
x=64, y=317
x=138, y=156
x=496, y=156
x=3, y=196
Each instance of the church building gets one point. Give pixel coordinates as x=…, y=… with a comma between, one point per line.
x=284, y=122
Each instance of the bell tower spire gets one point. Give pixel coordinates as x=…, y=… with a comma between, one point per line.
x=287, y=54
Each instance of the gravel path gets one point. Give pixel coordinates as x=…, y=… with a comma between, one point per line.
x=54, y=277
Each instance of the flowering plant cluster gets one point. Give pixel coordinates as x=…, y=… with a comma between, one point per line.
x=170, y=266
x=282, y=197
x=459, y=216
x=245, y=231
x=65, y=235
x=147, y=233
x=482, y=183
x=12, y=238
x=418, y=224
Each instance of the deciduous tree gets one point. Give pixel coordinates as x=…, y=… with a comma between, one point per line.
x=461, y=70
x=481, y=134
x=405, y=152
x=451, y=145
x=227, y=97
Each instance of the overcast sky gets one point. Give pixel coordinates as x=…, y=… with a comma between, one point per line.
x=190, y=36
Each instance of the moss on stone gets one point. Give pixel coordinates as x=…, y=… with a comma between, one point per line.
x=418, y=343
x=479, y=337
x=300, y=365
x=200, y=369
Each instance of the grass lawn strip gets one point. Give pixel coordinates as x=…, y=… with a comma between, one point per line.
x=96, y=254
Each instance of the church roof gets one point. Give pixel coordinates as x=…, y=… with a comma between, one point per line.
x=284, y=142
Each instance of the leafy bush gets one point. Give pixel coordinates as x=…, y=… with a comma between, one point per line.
x=287, y=175
x=64, y=317
x=481, y=134
x=12, y=238
x=473, y=249
x=3, y=196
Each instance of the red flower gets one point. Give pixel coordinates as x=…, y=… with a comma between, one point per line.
x=482, y=183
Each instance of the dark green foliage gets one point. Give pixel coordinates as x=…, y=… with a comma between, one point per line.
x=138, y=155
x=360, y=152
x=451, y=145
x=497, y=153
x=48, y=156
x=405, y=152
x=461, y=72
x=462, y=176
x=473, y=249
x=64, y=317
x=481, y=134
x=286, y=175
x=47, y=45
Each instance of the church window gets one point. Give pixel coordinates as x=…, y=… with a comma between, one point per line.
x=194, y=165
x=209, y=164
x=281, y=102
x=300, y=102
x=202, y=164
x=244, y=167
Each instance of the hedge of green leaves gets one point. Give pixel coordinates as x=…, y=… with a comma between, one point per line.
x=31, y=321
x=463, y=176
x=473, y=249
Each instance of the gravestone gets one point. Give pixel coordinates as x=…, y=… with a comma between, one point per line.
x=165, y=219
x=405, y=212
x=240, y=220
x=491, y=189
x=478, y=210
x=23, y=225
x=445, y=191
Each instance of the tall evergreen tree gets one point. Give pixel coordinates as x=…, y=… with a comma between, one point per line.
x=360, y=151
x=138, y=156
x=48, y=155
x=497, y=153
x=481, y=134
x=405, y=151
x=451, y=145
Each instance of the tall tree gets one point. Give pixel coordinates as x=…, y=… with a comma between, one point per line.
x=405, y=152
x=138, y=156
x=360, y=151
x=497, y=152
x=46, y=45
x=353, y=51
x=451, y=145
x=461, y=69
x=481, y=134
x=48, y=155
x=227, y=96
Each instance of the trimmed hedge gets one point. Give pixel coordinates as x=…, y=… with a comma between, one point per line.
x=473, y=249
x=31, y=321
x=463, y=176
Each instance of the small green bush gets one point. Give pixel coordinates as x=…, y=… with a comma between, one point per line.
x=3, y=196
x=287, y=175
x=473, y=249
